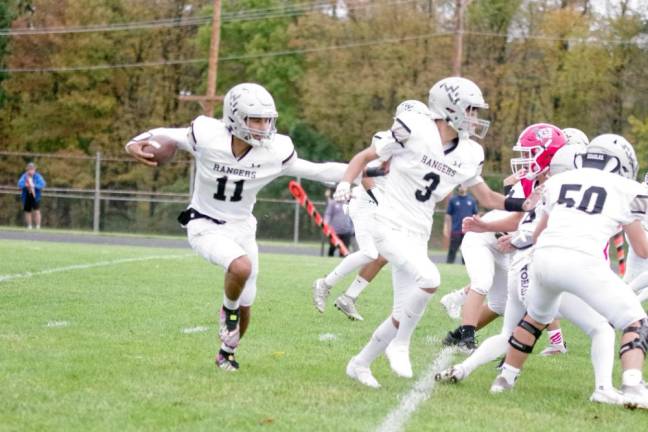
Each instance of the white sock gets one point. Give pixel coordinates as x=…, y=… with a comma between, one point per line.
x=378, y=342
x=29, y=227
x=37, y=226
x=509, y=373
x=412, y=313
x=356, y=287
x=555, y=338
x=603, y=356
x=229, y=303
x=349, y=264
x=632, y=377
x=487, y=351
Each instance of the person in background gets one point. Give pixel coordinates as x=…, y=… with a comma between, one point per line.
x=460, y=206
x=335, y=217
x=31, y=183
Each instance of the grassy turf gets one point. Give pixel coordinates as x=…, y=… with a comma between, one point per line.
x=120, y=347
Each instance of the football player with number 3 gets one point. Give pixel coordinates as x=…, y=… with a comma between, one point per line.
x=581, y=210
x=235, y=157
x=365, y=200
x=428, y=158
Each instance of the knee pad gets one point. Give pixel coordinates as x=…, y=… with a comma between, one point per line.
x=520, y=346
x=370, y=253
x=640, y=342
x=429, y=279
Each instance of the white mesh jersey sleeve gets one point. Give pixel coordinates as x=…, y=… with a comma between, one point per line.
x=474, y=158
x=182, y=137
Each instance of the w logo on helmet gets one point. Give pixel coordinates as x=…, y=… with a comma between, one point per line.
x=452, y=92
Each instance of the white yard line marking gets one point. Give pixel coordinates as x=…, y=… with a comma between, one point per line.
x=419, y=393
x=57, y=324
x=327, y=337
x=197, y=329
x=10, y=277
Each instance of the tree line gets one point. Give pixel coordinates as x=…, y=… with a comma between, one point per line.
x=337, y=70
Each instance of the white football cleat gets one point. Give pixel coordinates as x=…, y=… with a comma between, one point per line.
x=320, y=293
x=635, y=396
x=362, y=374
x=500, y=385
x=346, y=305
x=554, y=350
x=452, y=375
x=452, y=303
x=399, y=361
x=610, y=396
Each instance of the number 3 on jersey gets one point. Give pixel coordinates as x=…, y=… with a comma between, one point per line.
x=425, y=194
x=220, y=191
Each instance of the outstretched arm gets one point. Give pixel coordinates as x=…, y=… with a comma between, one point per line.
x=179, y=135
x=495, y=200
x=327, y=172
x=506, y=224
x=487, y=197
x=354, y=169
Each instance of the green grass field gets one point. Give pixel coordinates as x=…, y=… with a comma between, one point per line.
x=129, y=345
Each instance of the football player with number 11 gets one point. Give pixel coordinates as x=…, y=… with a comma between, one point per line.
x=235, y=158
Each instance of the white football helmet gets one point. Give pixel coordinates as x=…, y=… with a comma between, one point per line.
x=613, y=153
x=245, y=101
x=575, y=136
x=412, y=105
x=455, y=100
x=565, y=158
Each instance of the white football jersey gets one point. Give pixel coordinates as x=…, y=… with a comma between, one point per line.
x=586, y=207
x=226, y=187
x=421, y=173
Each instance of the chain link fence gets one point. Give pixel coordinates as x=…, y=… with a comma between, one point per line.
x=108, y=194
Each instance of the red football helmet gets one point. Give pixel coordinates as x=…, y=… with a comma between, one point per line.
x=537, y=144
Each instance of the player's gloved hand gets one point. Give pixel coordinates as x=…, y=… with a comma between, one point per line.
x=342, y=192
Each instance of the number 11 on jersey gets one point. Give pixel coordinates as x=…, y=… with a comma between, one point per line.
x=220, y=191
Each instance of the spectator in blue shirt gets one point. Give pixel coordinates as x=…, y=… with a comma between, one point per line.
x=31, y=183
x=460, y=206
x=335, y=217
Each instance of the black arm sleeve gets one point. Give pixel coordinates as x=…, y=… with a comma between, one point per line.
x=514, y=204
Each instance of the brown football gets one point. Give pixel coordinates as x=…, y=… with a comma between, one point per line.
x=162, y=147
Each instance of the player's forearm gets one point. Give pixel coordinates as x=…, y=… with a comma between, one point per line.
x=507, y=224
x=326, y=172
x=179, y=135
x=358, y=163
